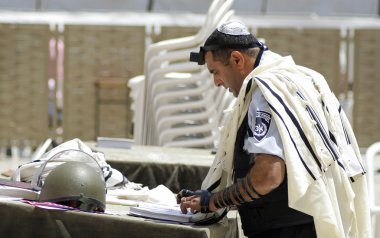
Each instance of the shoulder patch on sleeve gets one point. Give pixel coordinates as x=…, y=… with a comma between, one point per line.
x=263, y=120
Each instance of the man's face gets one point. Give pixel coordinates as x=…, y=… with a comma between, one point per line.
x=226, y=75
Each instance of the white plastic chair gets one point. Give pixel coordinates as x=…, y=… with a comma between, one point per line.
x=205, y=142
x=163, y=56
x=158, y=74
x=169, y=136
x=152, y=75
x=169, y=121
x=165, y=97
x=170, y=109
x=190, y=41
x=371, y=153
x=172, y=56
x=183, y=79
x=136, y=84
x=171, y=114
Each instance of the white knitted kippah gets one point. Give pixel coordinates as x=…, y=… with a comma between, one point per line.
x=235, y=28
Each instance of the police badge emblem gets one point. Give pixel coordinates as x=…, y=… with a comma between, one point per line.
x=263, y=120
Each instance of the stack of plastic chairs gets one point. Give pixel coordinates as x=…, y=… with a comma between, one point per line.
x=181, y=106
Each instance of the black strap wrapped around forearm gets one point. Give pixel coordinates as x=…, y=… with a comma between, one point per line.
x=205, y=201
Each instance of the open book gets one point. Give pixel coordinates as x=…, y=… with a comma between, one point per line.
x=160, y=212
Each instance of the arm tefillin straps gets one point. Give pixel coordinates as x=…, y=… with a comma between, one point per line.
x=227, y=197
x=245, y=188
x=232, y=195
x=252, y=189
x=239, y=198
x=205, y=201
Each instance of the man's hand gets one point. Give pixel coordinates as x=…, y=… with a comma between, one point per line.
x=185, y=193
x=192, y=202
x=199, y=201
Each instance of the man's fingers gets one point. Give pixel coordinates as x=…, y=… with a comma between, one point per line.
x=189, y=202
x=184, y=205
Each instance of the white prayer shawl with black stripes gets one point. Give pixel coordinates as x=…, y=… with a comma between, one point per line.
x=325, y=175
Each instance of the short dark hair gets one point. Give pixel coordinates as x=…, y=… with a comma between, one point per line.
x=232, y=43
x=221, y=45
x=225, y=54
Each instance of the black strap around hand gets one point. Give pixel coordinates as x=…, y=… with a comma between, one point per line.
x=205, y=201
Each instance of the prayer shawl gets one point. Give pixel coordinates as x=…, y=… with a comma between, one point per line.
x=325, y=176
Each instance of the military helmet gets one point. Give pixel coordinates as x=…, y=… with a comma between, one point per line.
x=75, y=184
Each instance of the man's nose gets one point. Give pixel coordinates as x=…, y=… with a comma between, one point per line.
x=217, y=81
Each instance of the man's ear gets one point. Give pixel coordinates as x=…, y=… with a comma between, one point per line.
x=237, y=58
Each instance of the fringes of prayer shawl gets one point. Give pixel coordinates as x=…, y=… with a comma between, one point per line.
x=325, y=174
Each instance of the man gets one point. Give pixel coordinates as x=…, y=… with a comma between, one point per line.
x=278, y=161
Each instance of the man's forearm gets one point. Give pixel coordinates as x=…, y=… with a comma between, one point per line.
x=240, y=192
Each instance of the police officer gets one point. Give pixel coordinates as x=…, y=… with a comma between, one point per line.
x=259, y=189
